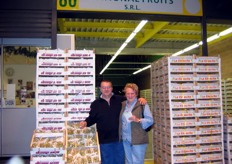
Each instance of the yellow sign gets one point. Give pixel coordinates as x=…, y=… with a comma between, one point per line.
x=171, y=7
x=67, y=5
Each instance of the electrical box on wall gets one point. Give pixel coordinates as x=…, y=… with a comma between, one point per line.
x=66, y=41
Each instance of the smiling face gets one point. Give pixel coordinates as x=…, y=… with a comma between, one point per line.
x=130, y=94
x=106, y=89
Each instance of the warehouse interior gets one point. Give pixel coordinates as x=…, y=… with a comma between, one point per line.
x=162, y=35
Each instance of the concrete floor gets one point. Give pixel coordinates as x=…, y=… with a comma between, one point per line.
x=26, y=160
x=7, y=160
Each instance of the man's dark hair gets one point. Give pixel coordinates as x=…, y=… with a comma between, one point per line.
x=107, y=81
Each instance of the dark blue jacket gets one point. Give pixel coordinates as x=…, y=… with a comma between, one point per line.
x=106, y=117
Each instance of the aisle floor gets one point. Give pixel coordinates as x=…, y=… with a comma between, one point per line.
x=26, y=160
x=5, y=160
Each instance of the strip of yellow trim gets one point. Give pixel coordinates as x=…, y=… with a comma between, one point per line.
x=149, y=162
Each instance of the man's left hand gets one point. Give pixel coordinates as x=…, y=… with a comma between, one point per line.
x=142, y=101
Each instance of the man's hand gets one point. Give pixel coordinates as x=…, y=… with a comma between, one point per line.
x=83, y=124
x=142, y=101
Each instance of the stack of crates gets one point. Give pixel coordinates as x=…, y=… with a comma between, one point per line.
x=227, y=96
x=227, y=109
x=48, y=146
x=81, y=144
x=65, y=85
x=188, y=110
x=228, y=138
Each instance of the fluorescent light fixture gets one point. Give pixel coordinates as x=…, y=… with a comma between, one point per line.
x=225, y=32
x=142, y=69
x=131, y=36
x=178, y=53
x=191, y=47
x=122, y=46
x=210, y=39
x=111, y=60
x=116, y=54
x=107, y=65
x=140, y=26
x=149, y=66
x=200, y=43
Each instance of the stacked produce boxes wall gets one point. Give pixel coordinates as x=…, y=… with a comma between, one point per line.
x=65, y=89
x=186, y=95
x=227, y=110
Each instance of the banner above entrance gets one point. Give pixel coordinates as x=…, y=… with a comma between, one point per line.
x=168, y=7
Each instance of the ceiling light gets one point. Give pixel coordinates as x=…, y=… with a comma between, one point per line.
x=213, y=38
x=142, y=69
x=116, y=54
x=178, y=53
x=191, y=47
x=122, y=46
x=131, y=36
x=225, y=32
x=140, y=26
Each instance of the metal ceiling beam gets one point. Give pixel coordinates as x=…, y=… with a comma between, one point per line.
x=114, y=24
x=134, y=51
x=193, y=28
x=61, y=25
x=121, y=25
x=130, y=25
x=124, y=35
x=180, y=37
x=157, y=26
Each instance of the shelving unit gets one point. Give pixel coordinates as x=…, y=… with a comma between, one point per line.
x=188, y=110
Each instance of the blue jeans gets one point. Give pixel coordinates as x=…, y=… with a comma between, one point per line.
x=135, y=154
x=112, y=153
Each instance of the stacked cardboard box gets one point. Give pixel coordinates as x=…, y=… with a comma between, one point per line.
x=188, y=110
x=48, y=146
x=65, y=86
x=65, y=89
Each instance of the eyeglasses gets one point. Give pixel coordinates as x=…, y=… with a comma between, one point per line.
x=106, y=87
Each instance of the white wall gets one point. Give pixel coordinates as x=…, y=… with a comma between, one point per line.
x=21, y=72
